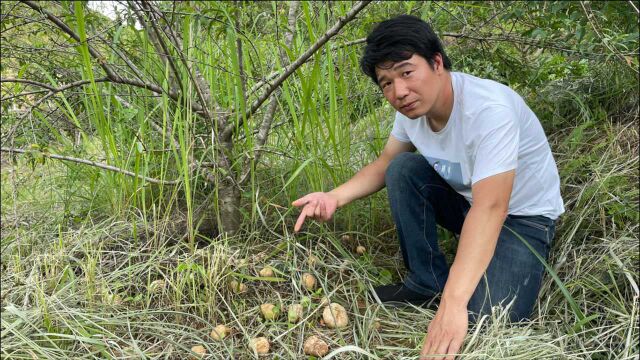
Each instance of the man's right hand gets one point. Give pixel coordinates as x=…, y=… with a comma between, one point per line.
x=317, y=205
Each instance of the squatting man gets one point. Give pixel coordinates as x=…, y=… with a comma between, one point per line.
x=484, y=171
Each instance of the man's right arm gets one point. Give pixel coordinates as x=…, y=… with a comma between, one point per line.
x=368, y=180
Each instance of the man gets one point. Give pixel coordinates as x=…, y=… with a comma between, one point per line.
x=485, y=171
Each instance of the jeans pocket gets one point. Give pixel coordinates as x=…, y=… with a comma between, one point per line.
x=534, y=224
x=537, y=227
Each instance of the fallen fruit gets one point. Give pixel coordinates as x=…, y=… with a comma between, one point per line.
x=346, y=237
x=315, y=346
x=324, y=301
x=260, y=345
x=156, y=285
x=266, y=272
x=199, y=349
x=312, y=260
x=219, y=332
x=237, y=287
x=309, y=281
x=360, y=250
x=269, y=311
x=335, y=316
x=295, y=313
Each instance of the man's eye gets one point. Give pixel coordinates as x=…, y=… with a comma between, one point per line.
x=406, y=73
x=385, y=84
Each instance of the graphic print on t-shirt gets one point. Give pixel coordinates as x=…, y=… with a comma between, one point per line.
x=451, y=172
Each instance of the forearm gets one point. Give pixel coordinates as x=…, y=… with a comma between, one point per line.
x=476, y=247
x=367, y=181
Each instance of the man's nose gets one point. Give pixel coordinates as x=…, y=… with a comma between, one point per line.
x=401, y=90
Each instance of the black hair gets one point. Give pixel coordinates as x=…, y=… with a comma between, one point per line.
x=398, y=39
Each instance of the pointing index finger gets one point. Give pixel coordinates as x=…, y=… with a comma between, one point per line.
x=299, y=202
x=300, y=221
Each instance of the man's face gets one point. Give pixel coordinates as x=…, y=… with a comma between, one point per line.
x=411, y=86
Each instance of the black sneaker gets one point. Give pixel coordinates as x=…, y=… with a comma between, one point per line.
x=400, y=295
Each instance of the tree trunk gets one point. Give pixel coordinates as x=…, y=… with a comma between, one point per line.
x=229, y=209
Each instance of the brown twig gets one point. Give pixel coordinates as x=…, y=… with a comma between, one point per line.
x=111, y=74
x=228, y=131
x=96, y=164
x=263, y=133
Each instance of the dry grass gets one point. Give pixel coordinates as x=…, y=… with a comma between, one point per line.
x=84, y=289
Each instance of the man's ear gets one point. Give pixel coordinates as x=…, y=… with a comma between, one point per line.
x=437, y=61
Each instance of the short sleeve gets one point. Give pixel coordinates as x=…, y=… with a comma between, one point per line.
x=398, y=130
x=498, y=142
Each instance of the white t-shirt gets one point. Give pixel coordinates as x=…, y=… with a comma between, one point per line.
x=491, y=130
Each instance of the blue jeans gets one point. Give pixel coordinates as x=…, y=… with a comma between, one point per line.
x=420, y=199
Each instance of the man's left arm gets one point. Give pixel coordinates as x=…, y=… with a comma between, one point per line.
x=477, y=244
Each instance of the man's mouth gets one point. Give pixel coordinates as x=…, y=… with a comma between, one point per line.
x=409, y=106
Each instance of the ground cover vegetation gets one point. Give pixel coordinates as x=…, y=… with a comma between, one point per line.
x=148, y=164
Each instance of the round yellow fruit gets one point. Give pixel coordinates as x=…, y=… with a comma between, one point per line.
x=157, y=285
x=309, y=281
x=315, y=346
x=260, y=345
x=335, y=316
x=266, y=272
x=312, y=260
x=269, y=311
x=237, y=287
x=219, y=332
x=199, y=350
x=324, y=301
x=295, y=313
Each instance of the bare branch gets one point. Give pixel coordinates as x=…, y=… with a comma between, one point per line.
x=226, y=134
x=158, y=43
x=60, y=24
x=51, y=88
x=504, y=38
x=7, y=98
x=263, y=133
x=243, y=81
x=199, y=84
x=111, y=75
x=27, y=81
x=96, y=164
x=593, y=22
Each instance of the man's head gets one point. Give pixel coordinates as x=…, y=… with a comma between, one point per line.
x=406, y=59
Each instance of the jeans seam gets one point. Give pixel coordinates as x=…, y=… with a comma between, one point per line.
x=418, y=288
x=434, y=185
x=534, y=224
x=424, y=236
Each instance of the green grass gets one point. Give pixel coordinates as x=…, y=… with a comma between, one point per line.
x=81, y=287
x=99, y=265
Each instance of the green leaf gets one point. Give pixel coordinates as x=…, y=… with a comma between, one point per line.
x=572, y=303
x=297, y=172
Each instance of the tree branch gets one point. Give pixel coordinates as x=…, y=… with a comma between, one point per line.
x=263, y=133
x=52, y=90
x=96, y=164
x=228, y=131
x=243, y=81
x=111, y=75
x=158, y=43
x=199, y=84
x=505, y=38
x=27, y=81
x=60, y=24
